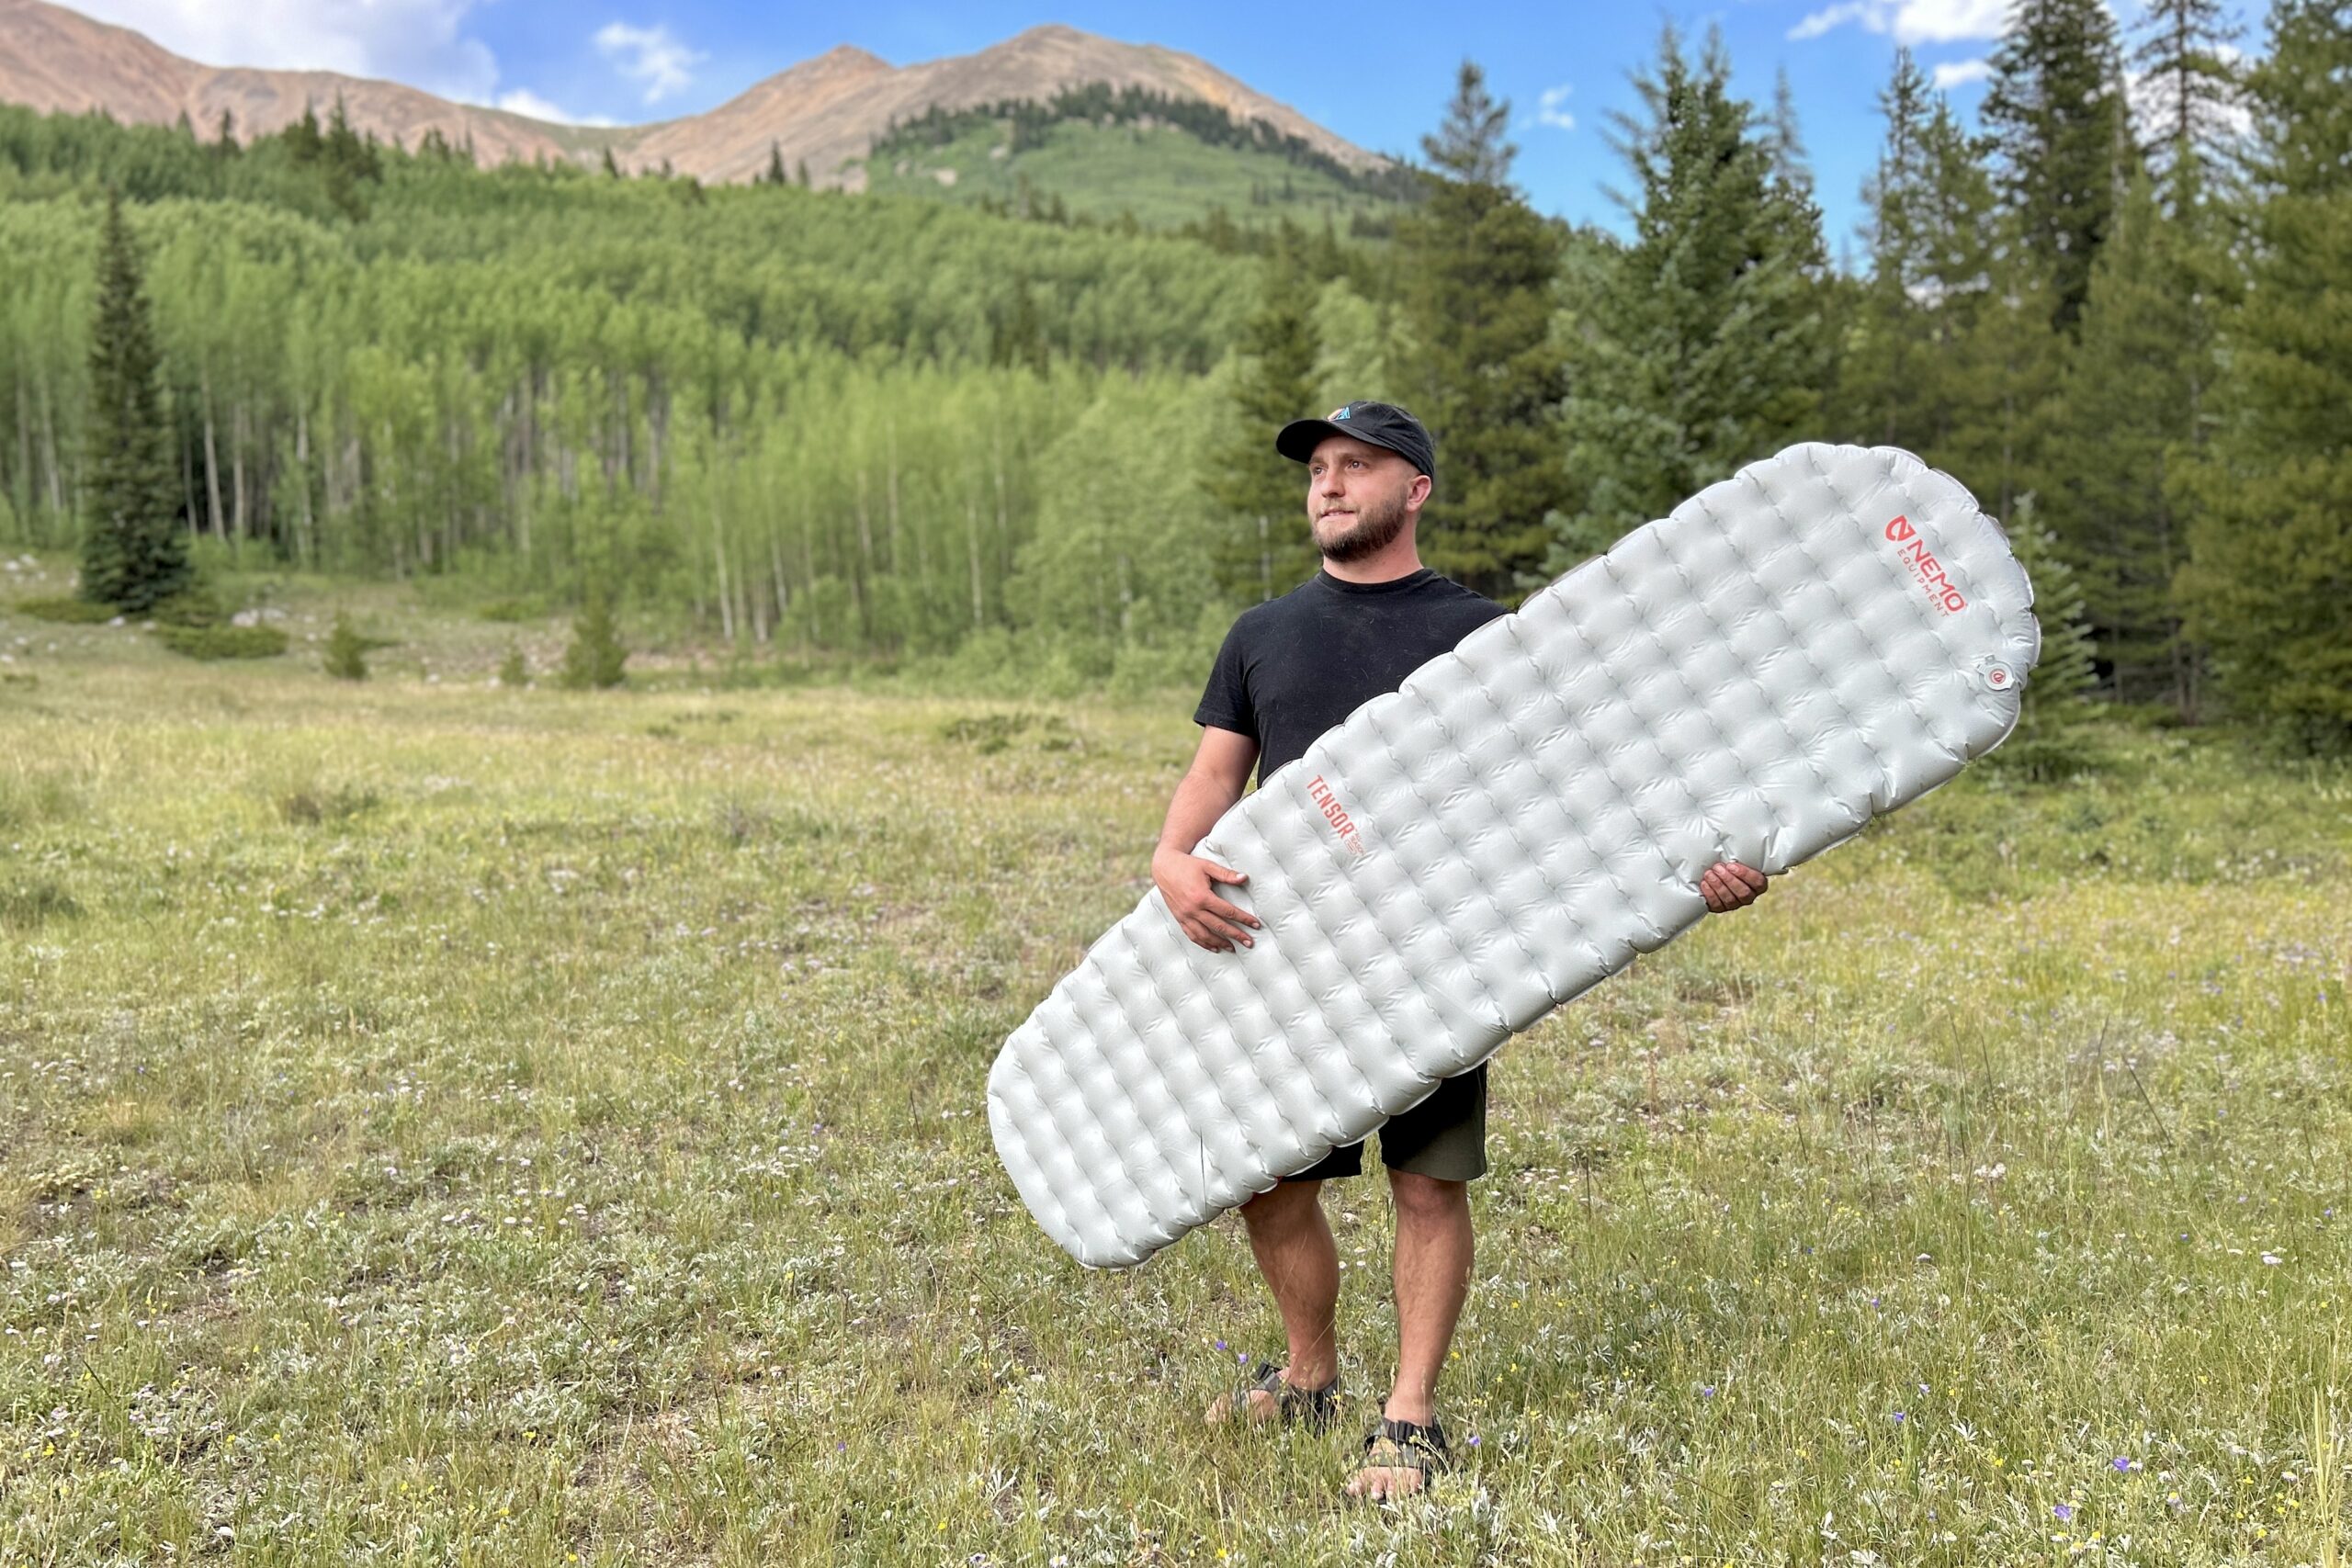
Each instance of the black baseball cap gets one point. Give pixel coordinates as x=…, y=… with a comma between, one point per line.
x=1375, y=423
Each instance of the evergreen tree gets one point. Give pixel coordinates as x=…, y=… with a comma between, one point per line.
x=2270, y=528
x=596, y=654
x=802, y=169
x=776, y=175
x=134, y=553
x=2134, y=393
x=2056, y=112
x=612, y=165
x=2052, y=737
x=226, y=142
x=347, y=656
x=1707, y=347
x=303, y=142
x=1887, y=396
x=1267, y=548
x=2184, y=62
x=1480, y=267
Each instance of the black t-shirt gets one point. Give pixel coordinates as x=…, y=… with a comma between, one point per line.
x=1293, y=667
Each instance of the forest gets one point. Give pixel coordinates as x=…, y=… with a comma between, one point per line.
x=1033, y=449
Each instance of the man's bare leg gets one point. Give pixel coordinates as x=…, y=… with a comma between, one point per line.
x=1432, y=1274
x=1297, y=1254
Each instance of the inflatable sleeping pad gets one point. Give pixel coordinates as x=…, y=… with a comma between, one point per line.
x=1818, y=639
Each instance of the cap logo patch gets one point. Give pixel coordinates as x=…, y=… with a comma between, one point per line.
x=1342, y=413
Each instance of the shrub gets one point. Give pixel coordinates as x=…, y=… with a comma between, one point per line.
x=223, y=642
x=192, y=607
x=346, y=650
x=512, y=671
x=67, y=612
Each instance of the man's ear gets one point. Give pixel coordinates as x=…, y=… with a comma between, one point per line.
x=1417, y=494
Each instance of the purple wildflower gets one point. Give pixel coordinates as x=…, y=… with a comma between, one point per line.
x=2063, y=1511
x=2122, y=1463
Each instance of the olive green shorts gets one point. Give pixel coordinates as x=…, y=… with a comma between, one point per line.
x=1444, y=1137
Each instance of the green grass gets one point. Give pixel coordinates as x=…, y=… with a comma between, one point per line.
x=1162, y=175
x=442, y=1123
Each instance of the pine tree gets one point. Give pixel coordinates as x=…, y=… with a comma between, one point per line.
x=596, y=654
x=612, y=165
x=2270, y=527
x=1267, y=549
x=776, y=175
x=226, y=142
x=2052, y=737
x=1706, y=348
x=1886, y=392
x=2134, y=394
x=347, y=655
x=802, y=171
x=134, y=554
x=2056, y=112
x=303, y=142
x=2184, y=60
x=1480, y=267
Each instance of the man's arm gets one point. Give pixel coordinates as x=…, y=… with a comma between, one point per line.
x=1220, y=769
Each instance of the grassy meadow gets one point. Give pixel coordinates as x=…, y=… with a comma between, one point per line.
x=446, y=1124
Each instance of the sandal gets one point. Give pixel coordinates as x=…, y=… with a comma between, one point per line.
x=1314, y=1408
x=1407, y=1445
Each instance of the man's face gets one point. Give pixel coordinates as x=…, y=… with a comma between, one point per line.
x=1359, y=497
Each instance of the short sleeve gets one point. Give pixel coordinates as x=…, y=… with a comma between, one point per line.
x=1225, y=705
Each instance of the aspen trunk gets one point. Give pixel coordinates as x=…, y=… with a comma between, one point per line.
x=718, y=555
x=20, y=483
x=972, y=537
x=857, y=579
x=306, y=548
x=237, y=475
x=48, y=453
x=211, y=465
x=783, y=589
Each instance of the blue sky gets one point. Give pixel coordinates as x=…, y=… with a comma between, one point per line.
x=1378, y=72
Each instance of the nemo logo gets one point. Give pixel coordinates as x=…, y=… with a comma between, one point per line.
x=1925, y=567
x=1334, y=813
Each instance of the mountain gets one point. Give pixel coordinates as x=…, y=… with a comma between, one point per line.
x=55, y=60
x=825, y=112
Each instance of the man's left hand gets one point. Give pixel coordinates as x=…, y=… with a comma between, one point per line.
x=1729, y=885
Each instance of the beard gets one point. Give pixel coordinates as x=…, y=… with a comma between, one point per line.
x=1377, y=527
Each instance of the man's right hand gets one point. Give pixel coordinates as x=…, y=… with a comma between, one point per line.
x=1189, y=883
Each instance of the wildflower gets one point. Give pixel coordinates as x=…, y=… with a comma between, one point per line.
x=1898, y=1417
x=2063, y=1511
x=1706, y=1391
x=2122, y=1463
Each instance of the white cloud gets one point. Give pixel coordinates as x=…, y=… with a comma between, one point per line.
x=650, y=56
x=524, y=101
x=421, y=42
x=1953, y=73
x=1551, y=107
x=1911, y=21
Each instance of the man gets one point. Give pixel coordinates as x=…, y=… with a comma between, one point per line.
x=1291, y=668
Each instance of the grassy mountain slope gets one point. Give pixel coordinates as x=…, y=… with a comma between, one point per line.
x=1161, y=174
